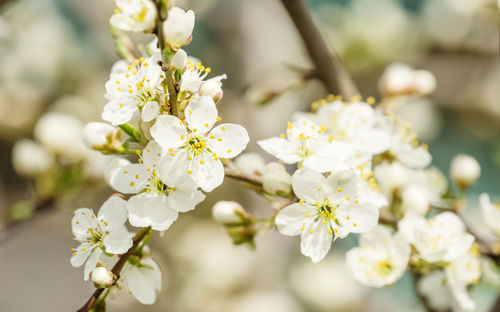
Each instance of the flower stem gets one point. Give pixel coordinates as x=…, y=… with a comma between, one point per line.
x=132, y=132
x=166, y=53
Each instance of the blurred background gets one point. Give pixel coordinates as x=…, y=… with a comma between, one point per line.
x=55, y=56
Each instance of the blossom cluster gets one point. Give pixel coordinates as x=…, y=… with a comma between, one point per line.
x=339, y=149
x=174, y=149
x=357, y=161
x=353, y=163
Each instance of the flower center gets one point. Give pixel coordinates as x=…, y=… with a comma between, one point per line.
x=326, y=212
x=196, y=144
x=142, y=15
x=155, y=184
x=384, y=267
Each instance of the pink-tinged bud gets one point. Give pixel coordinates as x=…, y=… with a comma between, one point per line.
x=178, y=27
x=213, y=87
x=102, y=277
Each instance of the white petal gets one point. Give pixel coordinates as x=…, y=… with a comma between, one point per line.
x=408, y=225
x=151, y=210
x=91, y=262
x=114, y=212
x=83, y=219
x=416, y=158
x=207, y=172
x=234, y=139
x=153, y=71
x=140, y=285
x=118, y=242
x=375, y=238
x=80, y=255
x=130, y=179
x=179, y=59
x=344, y=182
x=185, y=197
x=356, y=261
x=316, y=245
x=201, y=114
x=309, y=185
x=154, y=275
x=282, y=149
x=151, y=156
x=150, y=111
x=358, y=218
x=373, y=141
x=168, y=131
x=173, y=169
x=327, y=156
x=292, y=218
x=451, y=221
x=460, y=246
x=119, y=111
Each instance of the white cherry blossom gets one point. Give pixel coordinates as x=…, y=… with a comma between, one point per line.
x=195, y=149
x=134, y=15
x=178, y=27
x=445, y=289
x=138, y=89
x=441, y=238
x=417, y=188
x=106, y=232
x=381, y=258
x=307, y=144
x=193, y=77
x=157, y=201
x=356, y=123
x=404, y=145
x=328, y=208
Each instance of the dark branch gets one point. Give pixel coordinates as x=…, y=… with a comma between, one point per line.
x=328, y=67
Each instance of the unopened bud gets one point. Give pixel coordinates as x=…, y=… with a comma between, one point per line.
x=179, y=59
x=464, y=170
x=276, y=180
x=213, y=87
x=399, y=79
x=30, y=158
x=250, y=164
x=178, y=27
x=424, y=82
x=97, y=134
x=415, y=198
x=228, y=212
x=102, y=277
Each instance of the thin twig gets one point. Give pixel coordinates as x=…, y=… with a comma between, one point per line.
x=117, y=268
x=232, y=171
x=329, y=69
